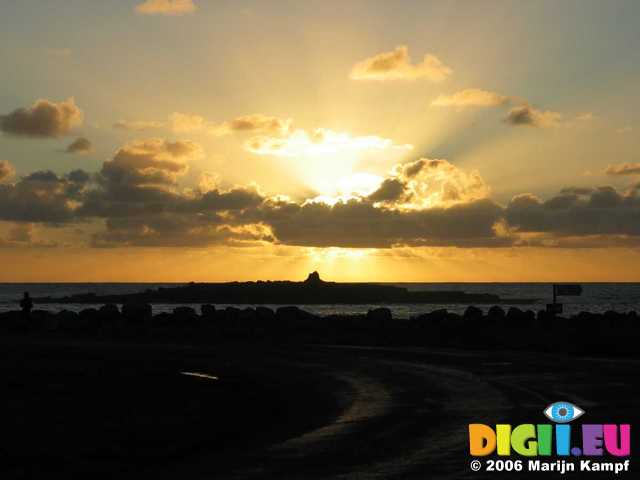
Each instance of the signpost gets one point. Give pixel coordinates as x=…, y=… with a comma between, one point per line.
x=563, y=290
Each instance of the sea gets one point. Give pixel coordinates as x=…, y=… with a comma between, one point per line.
x=596, y=297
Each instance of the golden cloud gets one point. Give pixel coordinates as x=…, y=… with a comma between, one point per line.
x=138, y=125
x=396, y=65
x=43, y=119
x=471, y=97
x=623, y=169
x=321, y=141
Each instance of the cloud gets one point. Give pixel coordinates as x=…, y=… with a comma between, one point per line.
x=437, y=182
x=577, y=190
x=521, y=112
x=138, y=125
x=150, y=162
x=183, y=123
x=360, y=224
x=526, y=115
x=396, y=65
x=136, y=200
x=190, y=123
x=7, y=171
x=391, y=190
x=604, y=211
x=166, y=7
x=254, y=123
x=43, y=119
x=471, y=97
x=321, y=141
x=623, y=169
x=42, y=196
x=80, y=146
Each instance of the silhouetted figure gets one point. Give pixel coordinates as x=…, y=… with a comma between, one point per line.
x=26, y=304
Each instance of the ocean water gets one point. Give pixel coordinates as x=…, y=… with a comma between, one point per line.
x=596, y=297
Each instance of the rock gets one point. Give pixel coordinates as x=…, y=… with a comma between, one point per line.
x=208, y=311
x=438, y=316
x=38, y=320
x=265, y=315
x=68, y=320
x=472, y=314
x=137, y=313
x=247, y=320
x=163, y=320
x=379, y=317
x=613, y=319
x=14, y=321
x=496, y=313
x=287, y=316
x=231, y=315
x=313, y=279
x=185, y=316
x=109, y=310
x=89, y=319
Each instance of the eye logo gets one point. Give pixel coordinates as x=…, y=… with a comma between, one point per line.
x=563, y=412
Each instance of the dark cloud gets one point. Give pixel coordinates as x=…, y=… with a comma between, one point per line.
x=43, y=119
x=526, y=115
x=604, y=212
x=358, y=223
x=40, y=197
x=80, y=146
x=391, y=190
x=256, y=122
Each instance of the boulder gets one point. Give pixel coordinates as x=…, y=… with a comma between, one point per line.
x=68, y=320
x=496, y=313
x=379, y=317
x=265, y=315
x=287, y=316
x=208, y=311
x=473, y=314
x=515, y=317
x=137, y=313
x=89, y=319
x=185, y=316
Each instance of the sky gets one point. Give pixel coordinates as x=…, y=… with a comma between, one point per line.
x=213, y=140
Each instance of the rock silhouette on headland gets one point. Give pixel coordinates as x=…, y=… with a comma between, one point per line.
x=313, y=290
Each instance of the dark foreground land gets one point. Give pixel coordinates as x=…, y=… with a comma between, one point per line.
x=253, y=393
x=86, y=408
